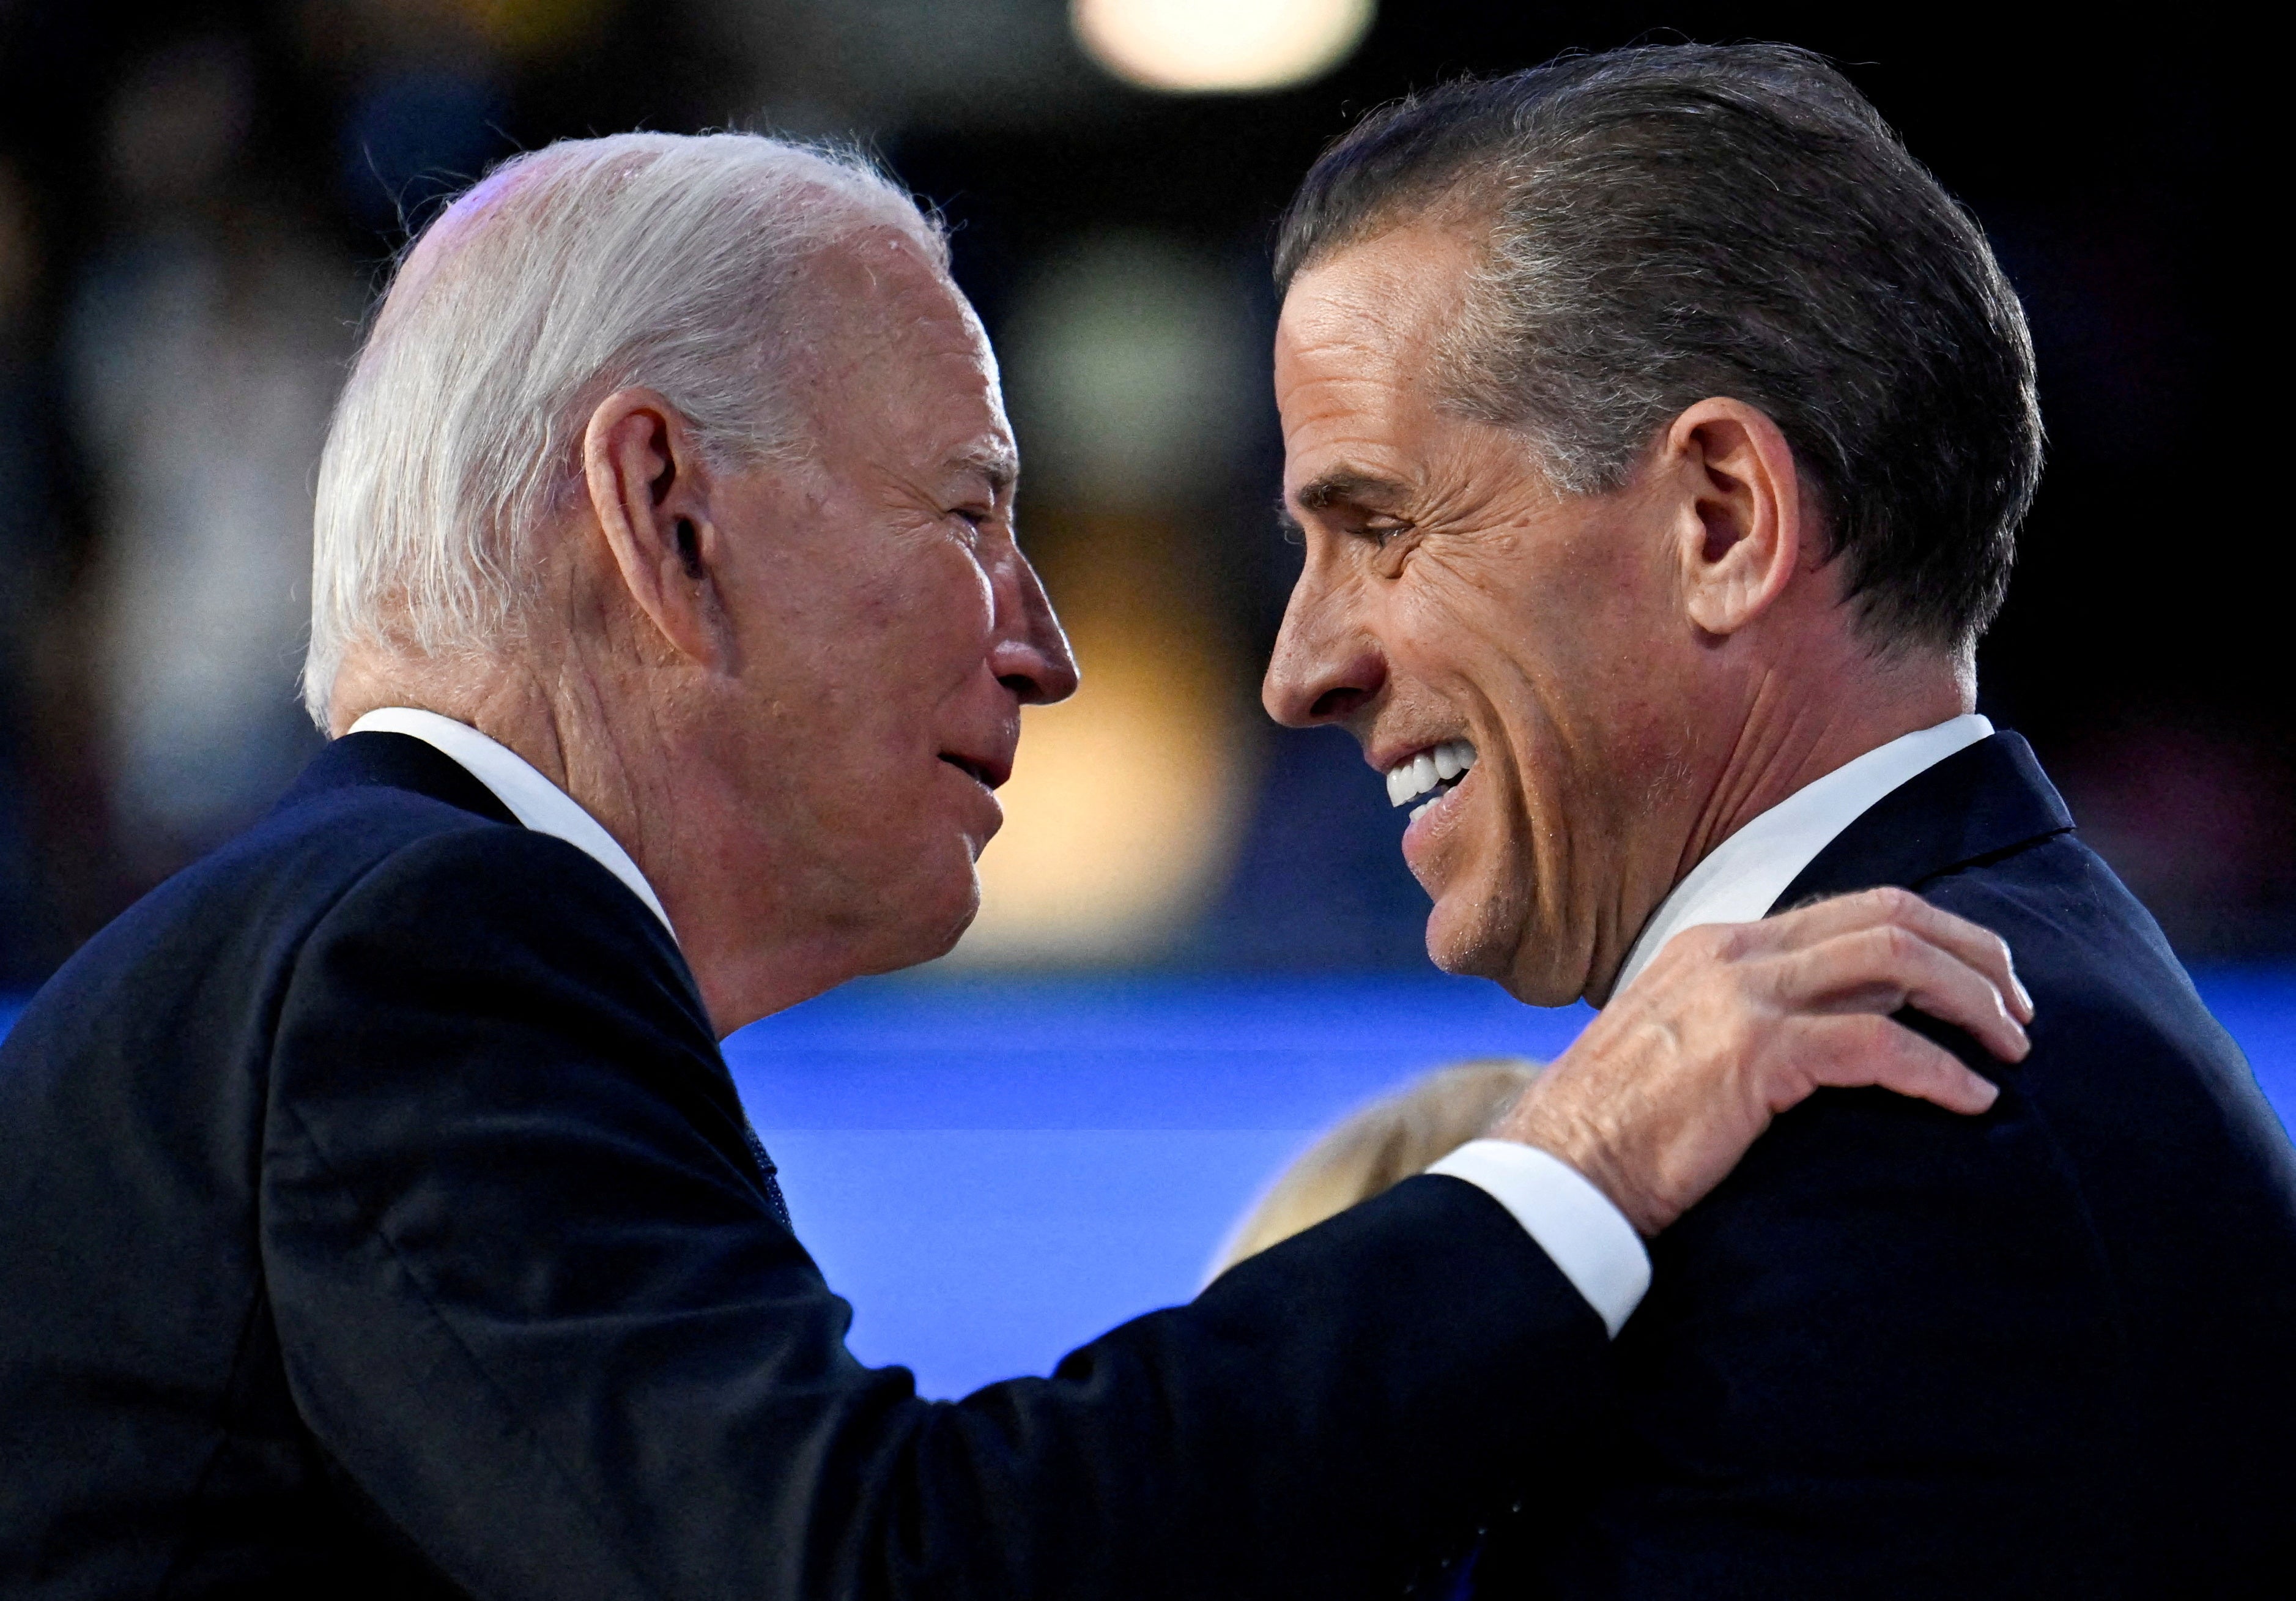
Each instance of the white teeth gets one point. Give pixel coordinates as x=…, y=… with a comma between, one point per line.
x=1421, y=806
x=1406, y=781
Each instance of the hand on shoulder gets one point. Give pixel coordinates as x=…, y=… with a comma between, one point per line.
x=1733, y=1023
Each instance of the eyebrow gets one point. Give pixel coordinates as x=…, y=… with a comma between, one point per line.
x=996, y=464
x=1347, y=484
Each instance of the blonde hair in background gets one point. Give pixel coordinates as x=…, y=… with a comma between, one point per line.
x=671, y=261
x=1379, y=1146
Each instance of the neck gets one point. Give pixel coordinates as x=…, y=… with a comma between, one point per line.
x=1788, y=728
x=680, y=822
x=507, y=702
x=1788, y=738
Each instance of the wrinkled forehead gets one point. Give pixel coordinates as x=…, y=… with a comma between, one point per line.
x=1360, y=354
x=875, y=292
x=1382, y=308
x=893, y=337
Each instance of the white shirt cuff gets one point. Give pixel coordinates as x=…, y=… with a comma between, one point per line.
x=1572, y=1221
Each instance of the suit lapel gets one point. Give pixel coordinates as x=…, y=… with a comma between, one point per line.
x=395, y=761
x=1981, y=801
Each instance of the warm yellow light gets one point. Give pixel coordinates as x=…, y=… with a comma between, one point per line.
x=1204, y=45
x=1126, y=803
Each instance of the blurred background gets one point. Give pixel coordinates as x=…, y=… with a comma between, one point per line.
x=198, y=202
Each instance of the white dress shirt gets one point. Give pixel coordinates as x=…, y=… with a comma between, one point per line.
x=1740, y=880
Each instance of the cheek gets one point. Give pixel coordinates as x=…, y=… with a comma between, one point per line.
x=1503, y=666
x=898, y=671
x=931, y=667
x=1552, y=640
x=909, y=633
x=1480, y=651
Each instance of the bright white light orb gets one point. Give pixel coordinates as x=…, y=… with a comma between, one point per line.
x=1201, y=46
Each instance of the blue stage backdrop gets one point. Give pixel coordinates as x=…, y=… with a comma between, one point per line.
x=993, y=1171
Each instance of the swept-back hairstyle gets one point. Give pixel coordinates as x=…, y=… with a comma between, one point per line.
x=1669, y=222
x=674, y=262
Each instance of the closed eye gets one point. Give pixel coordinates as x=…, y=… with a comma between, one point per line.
x=1388, y=537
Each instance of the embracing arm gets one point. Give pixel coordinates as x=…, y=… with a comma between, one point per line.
x=531, y=1296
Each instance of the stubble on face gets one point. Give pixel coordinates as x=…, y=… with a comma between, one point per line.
x=1460, y=596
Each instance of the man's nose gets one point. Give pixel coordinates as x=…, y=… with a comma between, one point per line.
x=1031, y=655
x=1325, y=665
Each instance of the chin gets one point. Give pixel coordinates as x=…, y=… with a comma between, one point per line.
x=1461, y=941
x=933, y=920
x=1490, y=936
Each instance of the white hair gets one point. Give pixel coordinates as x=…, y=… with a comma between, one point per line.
x=657, y=259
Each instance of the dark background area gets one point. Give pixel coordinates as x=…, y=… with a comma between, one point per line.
x=290, y=145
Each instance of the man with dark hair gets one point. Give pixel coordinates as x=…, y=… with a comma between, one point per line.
x=1659, y=430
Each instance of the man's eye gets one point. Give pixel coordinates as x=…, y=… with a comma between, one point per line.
x=1385, y=533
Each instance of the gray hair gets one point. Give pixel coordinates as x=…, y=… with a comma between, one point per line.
x=1669, y=222
x=593, y=264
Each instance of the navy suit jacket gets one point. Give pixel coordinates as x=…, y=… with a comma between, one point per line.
x=380, y=1218
x=2050, y=1351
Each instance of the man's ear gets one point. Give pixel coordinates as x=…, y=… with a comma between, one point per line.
x=1742, y=533
x=650, y=491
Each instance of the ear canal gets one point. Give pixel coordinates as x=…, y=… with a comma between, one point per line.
x=689, y=548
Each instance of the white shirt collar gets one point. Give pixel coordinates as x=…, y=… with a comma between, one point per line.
x=1743, y=877
x=532, y=798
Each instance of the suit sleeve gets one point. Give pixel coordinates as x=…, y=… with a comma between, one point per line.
x=531, y=1296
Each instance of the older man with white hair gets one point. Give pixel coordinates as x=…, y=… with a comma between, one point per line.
x=381, y=1216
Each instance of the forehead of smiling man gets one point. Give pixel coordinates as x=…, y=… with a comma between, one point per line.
x=1659, y=430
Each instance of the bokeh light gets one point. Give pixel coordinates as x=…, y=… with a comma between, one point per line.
x=1126, y=803
x=1134, y=367
x=1200, y=46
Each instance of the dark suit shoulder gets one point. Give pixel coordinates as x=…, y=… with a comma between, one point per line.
x=135, y=1088
x=502, y=906
x=251, y=899
x=144, y=1092
x=2039, y=1352
x=474, y=970
x=2117, y=1023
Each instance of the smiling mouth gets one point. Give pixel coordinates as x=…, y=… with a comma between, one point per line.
x=1433, y=773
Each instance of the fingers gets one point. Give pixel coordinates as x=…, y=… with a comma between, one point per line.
x=1733, y=1024
x=1867, y=1050
x=1981, y=947
x=1881, y=968
x=1978, y=947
